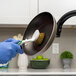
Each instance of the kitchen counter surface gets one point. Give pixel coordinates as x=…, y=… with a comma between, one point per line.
x=37, y=72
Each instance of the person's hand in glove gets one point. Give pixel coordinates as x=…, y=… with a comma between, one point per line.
x=8, y=49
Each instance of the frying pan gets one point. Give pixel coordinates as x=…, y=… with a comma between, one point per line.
x=45, y=23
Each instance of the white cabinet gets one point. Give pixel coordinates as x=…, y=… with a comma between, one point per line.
x=17, y=11
x=58, y=8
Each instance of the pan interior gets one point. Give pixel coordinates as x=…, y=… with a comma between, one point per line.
x=44, y=23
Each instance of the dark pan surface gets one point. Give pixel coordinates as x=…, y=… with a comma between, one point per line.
x=44, y=23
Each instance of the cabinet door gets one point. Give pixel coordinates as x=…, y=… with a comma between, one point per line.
x=17, y=11
x=58, y=8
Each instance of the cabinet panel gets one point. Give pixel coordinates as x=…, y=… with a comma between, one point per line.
x=17, y=11
x=58, y=8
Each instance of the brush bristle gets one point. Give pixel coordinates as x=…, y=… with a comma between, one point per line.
x=40, y=38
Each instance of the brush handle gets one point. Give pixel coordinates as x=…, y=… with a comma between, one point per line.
x=24, y=41
x=19, y=42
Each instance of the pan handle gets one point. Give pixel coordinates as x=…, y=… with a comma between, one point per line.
x=62, y=20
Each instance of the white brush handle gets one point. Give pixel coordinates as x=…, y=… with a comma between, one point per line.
x=25, y=41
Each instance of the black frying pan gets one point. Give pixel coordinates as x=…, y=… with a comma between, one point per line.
x=45, y=23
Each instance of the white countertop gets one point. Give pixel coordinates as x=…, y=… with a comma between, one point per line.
x=37, y=72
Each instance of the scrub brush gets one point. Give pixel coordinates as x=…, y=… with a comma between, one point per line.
x=34, y=38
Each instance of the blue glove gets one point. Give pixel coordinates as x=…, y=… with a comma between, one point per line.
x=8, y=49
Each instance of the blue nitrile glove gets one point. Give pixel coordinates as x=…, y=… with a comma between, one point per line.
x=8, y=49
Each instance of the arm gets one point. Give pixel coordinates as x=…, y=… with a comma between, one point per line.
x=9, y=49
